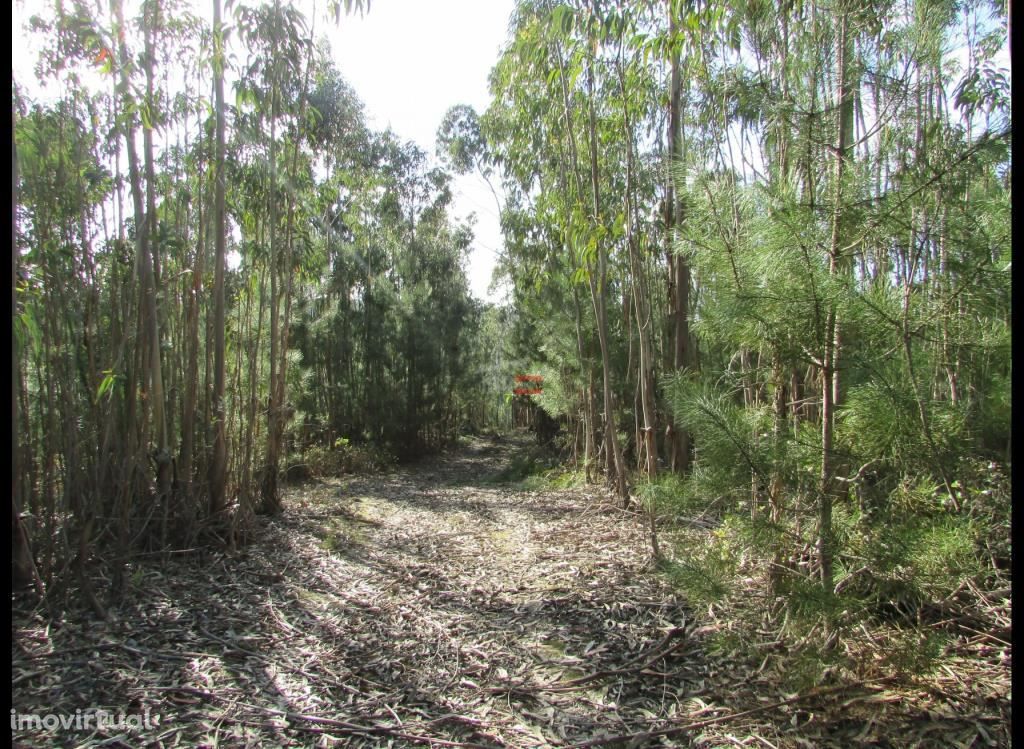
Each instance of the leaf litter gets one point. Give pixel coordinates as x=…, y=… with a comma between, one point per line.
x=428, y=607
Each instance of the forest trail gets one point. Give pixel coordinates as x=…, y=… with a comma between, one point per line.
x=428, y=605
x=487, y=603
x=424, y=605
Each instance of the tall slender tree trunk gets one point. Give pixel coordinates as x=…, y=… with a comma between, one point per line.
x=147, y=368
x=219, y=457
x=833, y=344
x=289, y=275
x=614, y=461
x=678, y=441
x=195, y=288
x=642, y=307
x=158, y=395
x=776, y=484
x=589, y=448
x=599, y=295
x=23, y=569
x=270, y=498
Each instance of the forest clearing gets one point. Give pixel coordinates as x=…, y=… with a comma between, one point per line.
x=721, y=456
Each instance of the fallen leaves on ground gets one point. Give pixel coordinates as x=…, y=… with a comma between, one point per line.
x=428, y=607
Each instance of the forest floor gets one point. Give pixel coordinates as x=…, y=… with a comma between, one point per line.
x=433, y=605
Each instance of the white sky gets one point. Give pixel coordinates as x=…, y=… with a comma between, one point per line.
x=409, y=61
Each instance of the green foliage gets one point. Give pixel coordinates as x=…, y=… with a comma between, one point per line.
x=322, y=461
x=705, y=573
x=459, y=140
x=882, y=419
x=941, y=550
x=669, y=493
x=555, y=398
x=331, y=542
x=705, y=565
x=524, y=465
x=563, y=479
x=992, y=422
x=729, y=450
x=391, y=320
x=935, y=551
x=914, y=651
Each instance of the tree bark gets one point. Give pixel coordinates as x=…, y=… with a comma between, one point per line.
x=642, y=311
x=614, y=463
x=23, y=568
x=270, y=499
x=599, y=294
x=833, y=344
x=195, y=288
x=149, y=372
x=158, y=396
x=218, y=459
x=678, y=269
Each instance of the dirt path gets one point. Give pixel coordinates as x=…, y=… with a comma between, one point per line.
x=431, y=606
x=487, y=604
x=421, y=606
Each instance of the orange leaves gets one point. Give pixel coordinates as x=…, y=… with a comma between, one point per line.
x=536, y=379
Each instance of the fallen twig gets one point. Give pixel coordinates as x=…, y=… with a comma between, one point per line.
x=636, y=738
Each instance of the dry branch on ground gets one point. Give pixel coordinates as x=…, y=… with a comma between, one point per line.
x=427, y=607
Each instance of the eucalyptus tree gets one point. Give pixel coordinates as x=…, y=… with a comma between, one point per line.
x=544, y=281
x=149, y=360
x=544, y=47
x=387, y=311
x=276, y=82
x=22, y=562
x=218, y=456
x=462, y=147
x=87, y=306
x=60, y=184
x=635, y=81
x=678, y=268
x=327, y=321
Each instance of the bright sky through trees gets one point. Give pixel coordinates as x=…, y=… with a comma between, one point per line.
x=409, y=61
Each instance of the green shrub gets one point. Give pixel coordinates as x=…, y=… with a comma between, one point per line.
x=521, y=466
x=807, y=602
x=525, y=465
x=704, y=567
x=320, y=461
x=942, y=552
x=913, y=651
x=670, y=493
x=567, y=479
x=881, y=420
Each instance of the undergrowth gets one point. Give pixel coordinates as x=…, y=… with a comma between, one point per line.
x=344, y=456
x=902, y=574
x=531, y=466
